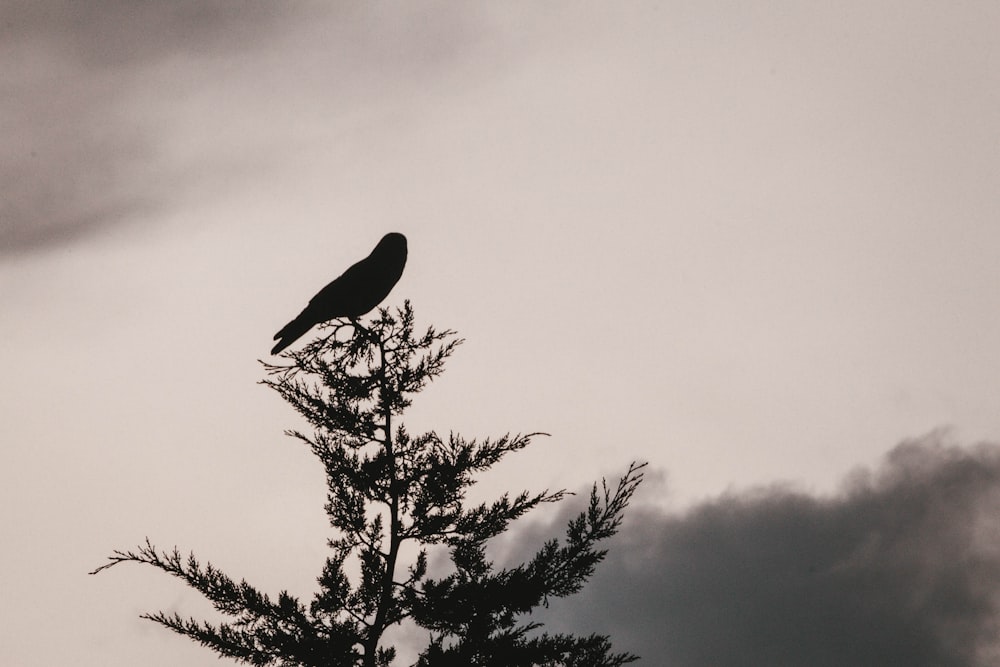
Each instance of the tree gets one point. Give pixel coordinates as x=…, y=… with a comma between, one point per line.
x=387, y=488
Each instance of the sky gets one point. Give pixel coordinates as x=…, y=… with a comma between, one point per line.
x=753, y=244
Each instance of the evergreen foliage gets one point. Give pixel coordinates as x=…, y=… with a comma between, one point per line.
x=387, y=488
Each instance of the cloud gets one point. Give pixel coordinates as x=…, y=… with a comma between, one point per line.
x=113, y=107
x=901, y=568
x=76, y=157
x=125, y=32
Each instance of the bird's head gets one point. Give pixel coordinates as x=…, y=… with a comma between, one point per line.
x=392, y=242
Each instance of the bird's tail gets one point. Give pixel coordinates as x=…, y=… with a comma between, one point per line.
x=290, y=333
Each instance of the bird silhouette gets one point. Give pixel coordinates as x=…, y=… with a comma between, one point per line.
x=355, y=292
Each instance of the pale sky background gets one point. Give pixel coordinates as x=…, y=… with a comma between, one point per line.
x=751, y=243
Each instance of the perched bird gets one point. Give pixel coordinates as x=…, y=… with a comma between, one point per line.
x=357, y=290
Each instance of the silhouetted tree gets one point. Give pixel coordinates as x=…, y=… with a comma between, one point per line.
x=387, y=488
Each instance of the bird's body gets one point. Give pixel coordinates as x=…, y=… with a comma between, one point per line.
x=355, y=292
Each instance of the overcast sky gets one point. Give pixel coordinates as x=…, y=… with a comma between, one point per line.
x=752, y=243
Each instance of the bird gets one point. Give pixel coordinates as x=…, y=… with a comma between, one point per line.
x=352, y=294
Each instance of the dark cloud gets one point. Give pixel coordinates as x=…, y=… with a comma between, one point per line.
x=76, y=157
x=902, y=568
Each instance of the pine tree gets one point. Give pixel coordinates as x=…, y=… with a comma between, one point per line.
x=387, y=488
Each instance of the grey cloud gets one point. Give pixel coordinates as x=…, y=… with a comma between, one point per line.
x=901, y=568
x=63, y=177
x=107, y=33
x=80, y=92
x=75, y=159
